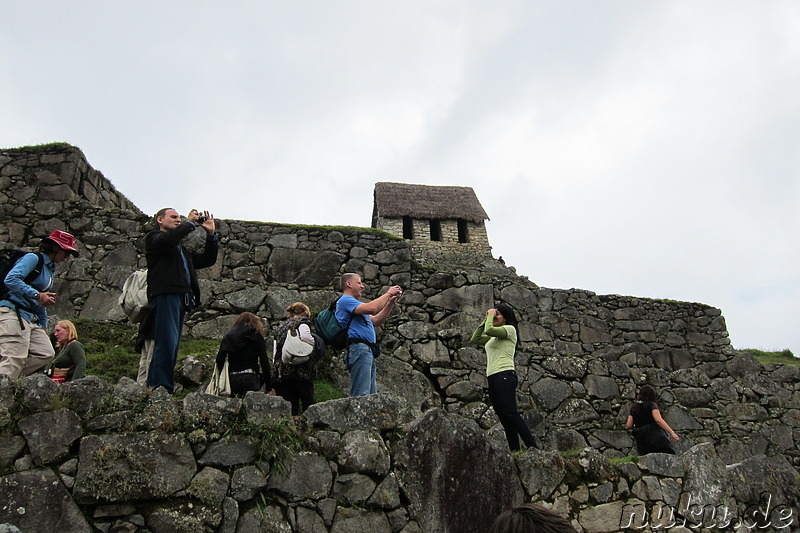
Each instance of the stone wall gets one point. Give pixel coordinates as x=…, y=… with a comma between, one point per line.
x=581, y=355
x=89, y=456
x=35, y=182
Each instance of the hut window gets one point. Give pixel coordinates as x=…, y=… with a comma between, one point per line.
x=408, y=228
x=436, y=229
x=463, y=234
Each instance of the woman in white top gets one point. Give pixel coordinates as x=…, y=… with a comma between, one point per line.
x=295, y=382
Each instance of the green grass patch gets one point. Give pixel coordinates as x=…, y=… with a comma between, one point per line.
x=277, y=441
x=570, y=453
x=783, y=357
x=110, y=352
x=44, y=147
x=198, y=346
x=629, y=459
x=110, y=355
x=325, y=390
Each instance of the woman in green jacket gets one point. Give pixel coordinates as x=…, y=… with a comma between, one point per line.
x=498, y=334
x=70, y=363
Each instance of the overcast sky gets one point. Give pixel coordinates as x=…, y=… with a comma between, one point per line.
x=625, y=147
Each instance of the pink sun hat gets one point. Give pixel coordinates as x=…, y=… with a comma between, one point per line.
x=66, y=241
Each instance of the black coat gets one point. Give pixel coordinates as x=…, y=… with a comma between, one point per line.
x=166, y=273
x=245, y=348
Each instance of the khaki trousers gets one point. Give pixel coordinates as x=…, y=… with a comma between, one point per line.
x=144, y=361
x=22, y=351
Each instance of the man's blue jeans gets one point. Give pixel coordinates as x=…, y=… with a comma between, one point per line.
x=361, y=364
x=170, y=312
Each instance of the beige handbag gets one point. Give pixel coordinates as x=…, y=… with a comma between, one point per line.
x=220, y=384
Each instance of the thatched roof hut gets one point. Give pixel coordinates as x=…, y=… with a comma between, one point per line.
x=396, y=200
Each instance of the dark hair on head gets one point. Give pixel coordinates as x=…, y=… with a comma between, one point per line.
x=508, y=314
x=251, y=320
x=647, y=394
x=160, y=213
x=645, y=399
x=531, y=518
x=48, y=247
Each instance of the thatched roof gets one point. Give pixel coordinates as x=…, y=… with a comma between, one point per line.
x=394, y=200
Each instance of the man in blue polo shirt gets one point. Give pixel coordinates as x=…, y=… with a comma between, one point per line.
x=362, y=317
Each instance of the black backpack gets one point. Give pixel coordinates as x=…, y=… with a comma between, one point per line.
x=7, y=261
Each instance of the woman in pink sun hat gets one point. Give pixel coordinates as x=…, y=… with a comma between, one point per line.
x=27, y=293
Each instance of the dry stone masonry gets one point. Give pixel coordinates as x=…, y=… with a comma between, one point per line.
x=428, y=454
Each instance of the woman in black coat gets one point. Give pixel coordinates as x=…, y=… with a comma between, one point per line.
x=649, y=428
x=245, y=349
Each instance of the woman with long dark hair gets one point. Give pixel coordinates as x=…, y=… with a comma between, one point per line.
x=498, y=335
x=245, y=349
x=649, y=428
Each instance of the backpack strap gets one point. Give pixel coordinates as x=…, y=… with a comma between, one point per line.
x=32, y=275
x=37, y=269
x=347, y=327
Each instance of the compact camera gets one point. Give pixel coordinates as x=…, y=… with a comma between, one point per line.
x=201, y=219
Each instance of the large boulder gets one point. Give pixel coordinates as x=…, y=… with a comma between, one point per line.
x=381, y=411
x=469, y=298
x=707, y=481
x=444, y=493
x=364, y=452
x=50, y=434
x=759, y=475
x=210, y=412
x=134, y=466
x=305, y=476
x=401, y=379
x=36, y=500
x=304, y=267
x=540, y=472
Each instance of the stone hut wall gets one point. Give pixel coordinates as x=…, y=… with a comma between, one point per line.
x=448, y=250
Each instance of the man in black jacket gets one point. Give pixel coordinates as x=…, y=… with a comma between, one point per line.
x=172, y=287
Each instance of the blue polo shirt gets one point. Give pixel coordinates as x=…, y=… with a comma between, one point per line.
x=361, y=327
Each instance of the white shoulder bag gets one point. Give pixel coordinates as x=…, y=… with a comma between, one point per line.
x=295, y=351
